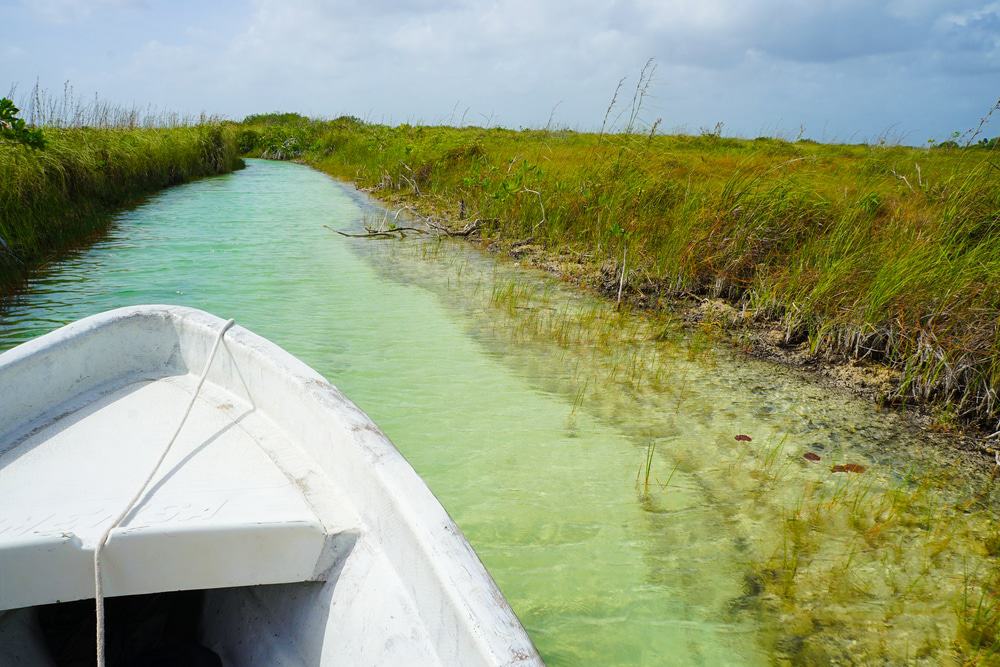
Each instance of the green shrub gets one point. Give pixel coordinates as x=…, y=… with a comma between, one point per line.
x=14, y=130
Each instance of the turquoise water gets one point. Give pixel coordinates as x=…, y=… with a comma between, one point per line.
x=530, y=411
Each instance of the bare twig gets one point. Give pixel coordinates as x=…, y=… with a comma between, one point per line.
x=465, y=231
x=411, y=181
x=621, y=281
x=391, y=233
x=540, y=204
x=903, y=178
x=366, y=235
x=974, y=133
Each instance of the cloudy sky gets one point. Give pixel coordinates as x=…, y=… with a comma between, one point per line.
x=846, y=70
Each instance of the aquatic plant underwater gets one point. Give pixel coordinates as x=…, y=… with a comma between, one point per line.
x=869, y=549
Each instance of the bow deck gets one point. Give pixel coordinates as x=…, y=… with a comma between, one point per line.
x=219, y=512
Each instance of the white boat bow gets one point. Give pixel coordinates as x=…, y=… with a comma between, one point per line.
x=313, y=540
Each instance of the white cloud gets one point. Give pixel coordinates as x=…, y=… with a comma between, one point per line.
x=972, y=16
x=11, y=52
x=70, y=11
x=843, y=64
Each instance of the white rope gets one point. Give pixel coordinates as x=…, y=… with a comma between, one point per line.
x=98, y=584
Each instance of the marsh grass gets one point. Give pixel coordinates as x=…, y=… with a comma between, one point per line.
x=646, y=469
x=67, y=109
x=877, y=252
x=55, y=197
x=978, y=612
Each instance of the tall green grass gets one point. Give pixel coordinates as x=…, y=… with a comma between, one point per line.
x=870, y=251
x=52, y=198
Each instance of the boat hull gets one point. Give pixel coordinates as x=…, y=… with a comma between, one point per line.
x=373, y=570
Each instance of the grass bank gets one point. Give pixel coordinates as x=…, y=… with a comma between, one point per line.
x=875, y=252
x=53, y=197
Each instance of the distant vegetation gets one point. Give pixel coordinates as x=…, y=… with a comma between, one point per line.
x=876, y=252
x=62, y=175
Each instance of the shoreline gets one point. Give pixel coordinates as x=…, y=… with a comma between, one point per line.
x=63, y=196
x=755, y=336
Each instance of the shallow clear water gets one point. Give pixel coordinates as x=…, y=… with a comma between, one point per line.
x=530, y=410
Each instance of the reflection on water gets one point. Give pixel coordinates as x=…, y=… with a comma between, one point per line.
x=589, y=456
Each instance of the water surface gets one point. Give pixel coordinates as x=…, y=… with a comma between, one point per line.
x=532, y=410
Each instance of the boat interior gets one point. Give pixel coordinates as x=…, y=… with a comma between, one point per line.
x=159, y=629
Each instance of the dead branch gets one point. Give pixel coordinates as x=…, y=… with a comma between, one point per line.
x=467, y=230
x=903, y=178
x=540, y=204
x=411, y=181
x=621, y=283
x=391, y=233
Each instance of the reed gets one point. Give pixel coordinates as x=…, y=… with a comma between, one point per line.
x=54, y=197
x=45, y=108
x=646, y=469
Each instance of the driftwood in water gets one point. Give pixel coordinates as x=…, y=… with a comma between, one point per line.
x=467, y=230
x=390, y=233
x=393, y=232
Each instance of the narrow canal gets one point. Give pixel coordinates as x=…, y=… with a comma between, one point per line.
x=590, y=457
